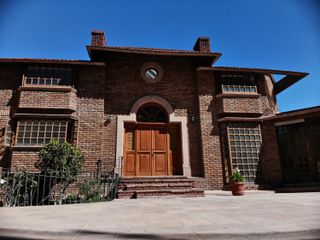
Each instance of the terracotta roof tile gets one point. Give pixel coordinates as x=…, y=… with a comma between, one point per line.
x=271, y=71
x=47, y=60
x=152, y=50
x=142, y=49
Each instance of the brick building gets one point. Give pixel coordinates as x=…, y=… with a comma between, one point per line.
x=159, y=112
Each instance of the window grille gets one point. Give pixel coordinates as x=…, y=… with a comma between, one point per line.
x=232, y=83
x=44, y=75
x=227, y=88
x=38, y=132
x=152, y=113
x=8, y=135
x=245, y=146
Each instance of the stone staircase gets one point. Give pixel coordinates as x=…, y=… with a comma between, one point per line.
x=146, y=187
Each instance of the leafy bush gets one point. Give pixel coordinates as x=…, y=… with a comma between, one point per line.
x=62, y=160
x=19, y=188
x=90, y=190
x=236, y=176
x=71, y=198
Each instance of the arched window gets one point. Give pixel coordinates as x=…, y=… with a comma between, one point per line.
x=152, y=113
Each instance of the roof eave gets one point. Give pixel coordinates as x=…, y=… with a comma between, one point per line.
x=288, y=81
x=279, y=86
x=312, y=111
x=51, y=61
x=214, y=55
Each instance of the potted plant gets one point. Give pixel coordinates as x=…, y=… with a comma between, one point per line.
x=237, y=184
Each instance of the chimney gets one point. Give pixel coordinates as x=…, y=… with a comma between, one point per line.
x=98, y=39
x=202, y=45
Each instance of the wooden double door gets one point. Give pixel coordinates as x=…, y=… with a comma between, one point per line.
x=151, y=150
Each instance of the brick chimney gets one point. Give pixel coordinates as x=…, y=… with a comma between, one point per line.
x=202, y=45
x=98, y=39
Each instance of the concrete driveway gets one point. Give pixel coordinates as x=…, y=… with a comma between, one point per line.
x=216, y=216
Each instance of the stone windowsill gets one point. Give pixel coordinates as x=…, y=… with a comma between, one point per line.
x=47, y=88
x=33, y=148
x=238, y=95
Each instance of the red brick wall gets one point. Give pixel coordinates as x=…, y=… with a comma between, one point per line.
x=241, y=104
x=104, y=93
x=10, y=78
x=48, y=99
x=210, y=140
x=124, y=86
x=267, y=85
x=271, y=165
x=25, y=159
x=90, y=113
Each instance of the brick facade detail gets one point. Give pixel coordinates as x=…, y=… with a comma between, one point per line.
x=242, y=104
x=210, y=135
x=47, y=98
x=110, y=83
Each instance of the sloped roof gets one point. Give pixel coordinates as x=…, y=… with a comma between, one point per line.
x=93, y=50
x=47, y=60
x=294, y=114
x=290, y=78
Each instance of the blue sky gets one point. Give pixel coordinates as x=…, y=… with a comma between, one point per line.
x=249, y=33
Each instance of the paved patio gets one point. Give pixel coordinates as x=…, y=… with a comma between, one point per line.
x=216, y=216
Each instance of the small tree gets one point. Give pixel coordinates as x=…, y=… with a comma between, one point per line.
x=62, y=160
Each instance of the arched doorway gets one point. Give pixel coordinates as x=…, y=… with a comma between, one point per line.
x=152, y=145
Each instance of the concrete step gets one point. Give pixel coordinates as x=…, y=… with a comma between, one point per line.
x=156, y=180
x=154, y=186
x=195, y=192
x=167, y=186
x=153, y=177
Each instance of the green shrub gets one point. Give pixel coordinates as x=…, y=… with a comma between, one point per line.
x=90, y=190
x=19, y=188
x=71, y=198
x=62, y=160
x=236, y=176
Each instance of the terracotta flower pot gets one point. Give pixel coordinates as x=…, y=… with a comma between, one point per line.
x=237, y=188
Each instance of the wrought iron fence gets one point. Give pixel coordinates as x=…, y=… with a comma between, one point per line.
x=23, y=188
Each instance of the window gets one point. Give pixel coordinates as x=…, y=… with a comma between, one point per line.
x=8, y=135
x=38, y=132
x=43, y=75
x=151, y=72
x=294, y=153
x=152, y=113
x=245, y=145
x=237, y=84
x=238, y=89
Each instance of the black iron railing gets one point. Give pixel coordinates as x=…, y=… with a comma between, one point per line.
x=23, y=188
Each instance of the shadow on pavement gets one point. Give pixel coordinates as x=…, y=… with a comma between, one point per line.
x=12, y=234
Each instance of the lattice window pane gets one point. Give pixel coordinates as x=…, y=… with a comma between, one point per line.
x=35, y=132
x=8, y=135
x=238, y=83
x=48, y=76
x=152, y=113
x=245, y=153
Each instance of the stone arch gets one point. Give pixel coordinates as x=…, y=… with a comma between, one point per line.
x=151, y=99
